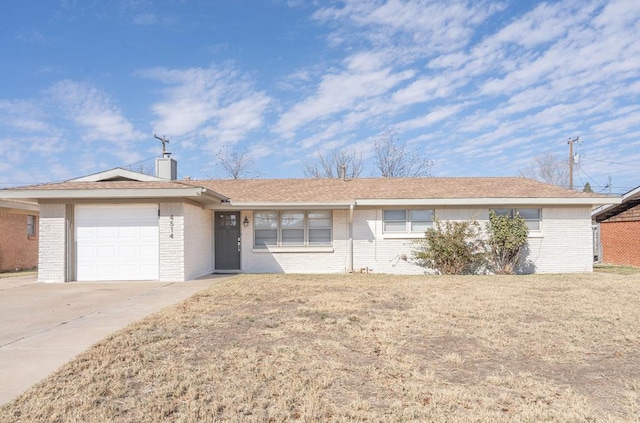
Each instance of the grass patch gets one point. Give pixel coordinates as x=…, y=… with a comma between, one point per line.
x=617, y=270
x=365, y=348
x=29, y=272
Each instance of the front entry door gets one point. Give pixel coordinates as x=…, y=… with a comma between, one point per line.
x=227, y=239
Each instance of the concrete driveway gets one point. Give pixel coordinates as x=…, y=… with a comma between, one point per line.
x=42, y=326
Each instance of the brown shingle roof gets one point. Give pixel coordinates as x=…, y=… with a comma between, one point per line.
x=338, y=190
x=327, y=190
x=104, y=185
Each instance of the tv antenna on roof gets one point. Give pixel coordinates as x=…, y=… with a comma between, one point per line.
x=164, y=141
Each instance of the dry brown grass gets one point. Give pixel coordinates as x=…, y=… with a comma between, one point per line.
x=274, y=348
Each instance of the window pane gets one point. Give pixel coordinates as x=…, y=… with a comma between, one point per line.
x=319, y=236
x=533, y=225
x=265, y=220
x=292, y=220
x=420, y=226
x=395, y=227
x=293, y=237
x=503, y=212
x=264, y=237
x=395, y=215
x=530, y=214
x=320, y=214
x=421, y=215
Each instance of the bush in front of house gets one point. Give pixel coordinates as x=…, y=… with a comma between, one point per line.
x=506, y=240
x=451, y=248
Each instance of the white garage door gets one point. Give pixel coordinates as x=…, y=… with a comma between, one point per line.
x=117, y=242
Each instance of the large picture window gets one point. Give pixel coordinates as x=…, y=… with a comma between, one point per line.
x=292, y=228
x=532, y=217
x=402, y=221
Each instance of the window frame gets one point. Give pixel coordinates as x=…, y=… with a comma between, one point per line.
x=512, y=211
x=31, y=225
x=307, y=241
x=408, y=222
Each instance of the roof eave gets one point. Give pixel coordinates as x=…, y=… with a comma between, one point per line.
x=276, y=205
x=488, y=201
x=201, y=195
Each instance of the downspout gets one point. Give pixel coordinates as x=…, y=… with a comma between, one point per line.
x=350, y=248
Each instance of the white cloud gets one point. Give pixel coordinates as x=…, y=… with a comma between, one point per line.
x=217, y=104
x=363, y=79
x=92, y=109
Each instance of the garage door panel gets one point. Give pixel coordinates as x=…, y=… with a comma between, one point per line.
x=117, y=242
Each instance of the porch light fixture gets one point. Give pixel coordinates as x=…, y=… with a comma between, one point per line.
x=245, y=222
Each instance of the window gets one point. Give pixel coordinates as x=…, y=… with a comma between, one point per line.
x=406, y=220
x=532, y=217
x=31, y=225
x=292, y=228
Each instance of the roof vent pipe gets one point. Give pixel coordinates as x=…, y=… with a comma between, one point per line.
x=343, y=172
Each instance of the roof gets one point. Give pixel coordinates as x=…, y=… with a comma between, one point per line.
x=113, y=189
x=310, y=192
x=628, y=200
x=390, y=191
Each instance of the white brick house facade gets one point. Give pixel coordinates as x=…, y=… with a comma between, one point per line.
x=354, y=236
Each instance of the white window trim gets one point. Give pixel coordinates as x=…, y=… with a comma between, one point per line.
x=306, y=246
x=533, y=233
x=407, y=233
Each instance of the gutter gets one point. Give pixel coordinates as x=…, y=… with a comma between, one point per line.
x=487, y=201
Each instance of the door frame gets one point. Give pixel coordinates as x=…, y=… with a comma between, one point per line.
x=238, y=215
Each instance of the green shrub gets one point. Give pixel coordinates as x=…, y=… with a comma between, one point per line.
x=506, y=240
x=451, y=248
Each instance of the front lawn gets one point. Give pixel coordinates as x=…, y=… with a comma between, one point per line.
x=272, y=348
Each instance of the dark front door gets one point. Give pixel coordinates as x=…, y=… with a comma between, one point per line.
x=227, y=239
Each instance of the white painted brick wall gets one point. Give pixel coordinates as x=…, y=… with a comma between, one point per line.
x=303, y=262
x=563, y=246
x=567, y=242
x=198, y=241
x=171, y=231
x=51, y=246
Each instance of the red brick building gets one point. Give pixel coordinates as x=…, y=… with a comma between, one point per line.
x=18, y=236
x=619, y=226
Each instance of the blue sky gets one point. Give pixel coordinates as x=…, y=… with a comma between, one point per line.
x=481, y=87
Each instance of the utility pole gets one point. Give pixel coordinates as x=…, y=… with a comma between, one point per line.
x=570, y=142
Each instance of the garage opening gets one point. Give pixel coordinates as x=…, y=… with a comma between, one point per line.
x=117, y=242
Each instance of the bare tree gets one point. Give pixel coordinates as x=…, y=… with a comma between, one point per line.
x=141, y=167
x=236, y=164
x=548, y=168
x=330, y=165
x=393, y=160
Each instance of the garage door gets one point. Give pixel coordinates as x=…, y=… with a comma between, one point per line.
x=117, y=242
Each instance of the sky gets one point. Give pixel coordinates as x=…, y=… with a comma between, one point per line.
x=480, y=87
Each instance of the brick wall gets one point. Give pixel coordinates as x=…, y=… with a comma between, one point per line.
x=630, y=215
x=621, y=242
x=171, y=232
x=198, y=242
x=17, y=250
x=52, y=248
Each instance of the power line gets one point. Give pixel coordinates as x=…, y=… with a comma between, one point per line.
x=615, y=163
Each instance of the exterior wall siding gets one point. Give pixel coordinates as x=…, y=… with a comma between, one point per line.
x=620, y=242
x=52, y=245
x=256, y=261
x=563, y=245
x=17, y=250
x=198, y=243
x=172, y=242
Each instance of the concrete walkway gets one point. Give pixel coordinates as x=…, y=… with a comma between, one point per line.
x=42, y=326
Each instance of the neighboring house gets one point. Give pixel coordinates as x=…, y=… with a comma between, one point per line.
x=18, y=235
x=618, y=227
x=122, y=225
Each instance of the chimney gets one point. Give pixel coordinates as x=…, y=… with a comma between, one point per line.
x=166, y=167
